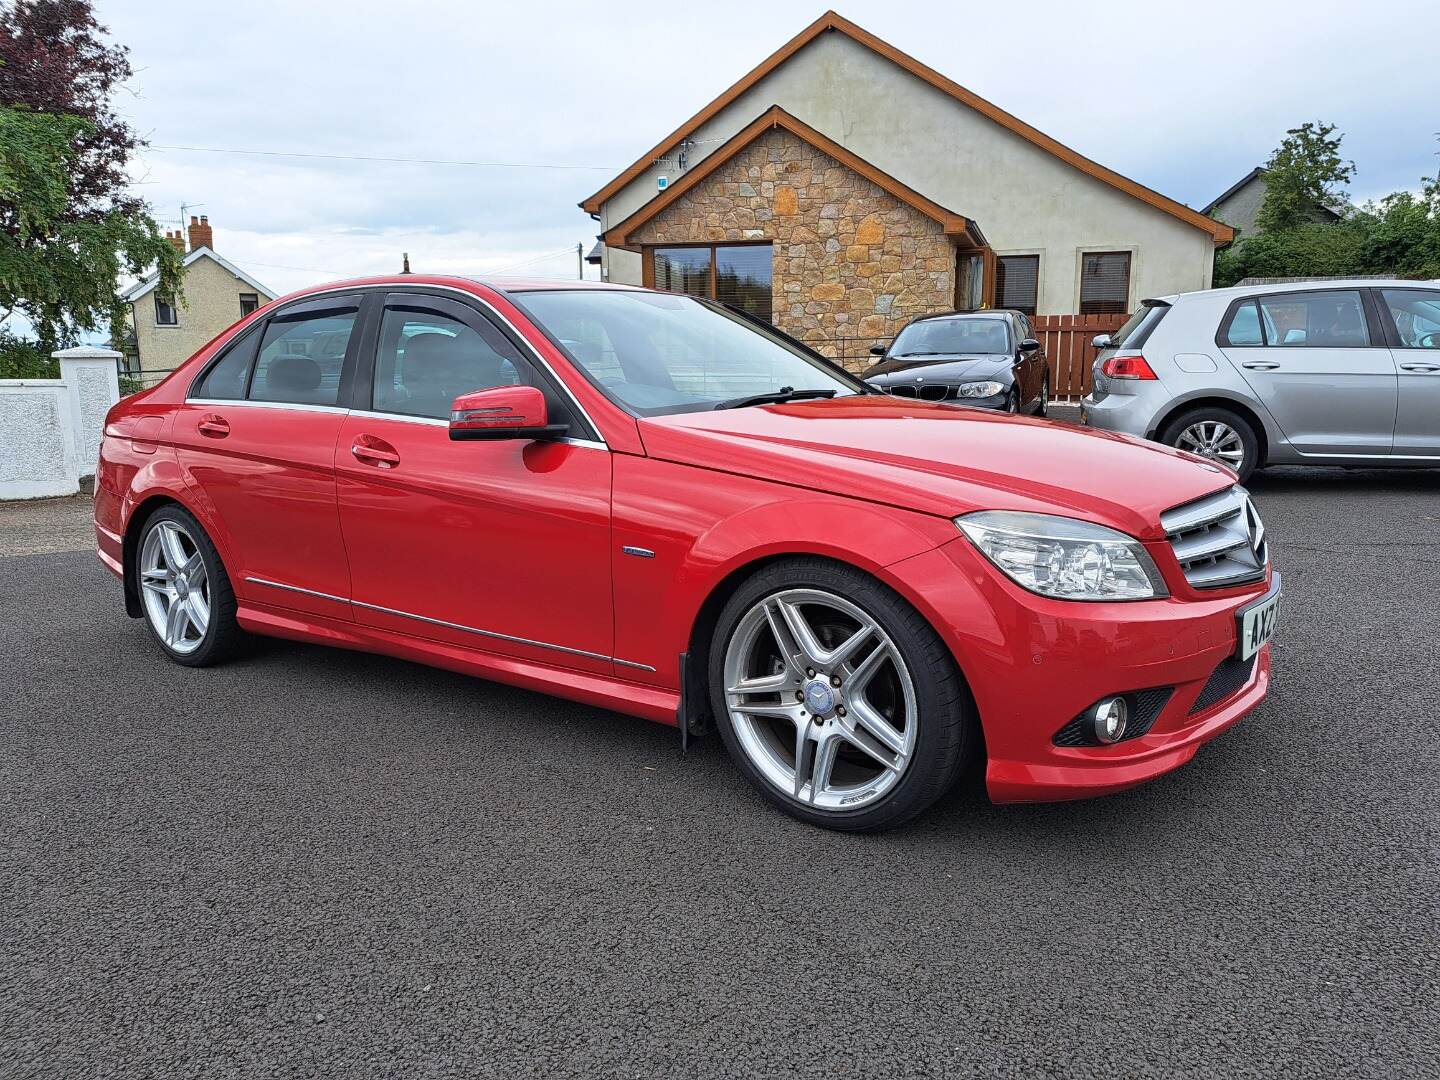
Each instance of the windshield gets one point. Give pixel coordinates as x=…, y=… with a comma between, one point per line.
x=658, y=353
x=935, y=336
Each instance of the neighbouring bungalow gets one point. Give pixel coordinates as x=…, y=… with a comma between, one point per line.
x=1239, y=206
x=842, y=187
x=217, y=293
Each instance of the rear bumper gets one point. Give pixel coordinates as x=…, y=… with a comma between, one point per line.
x=1034, y=664
x=1133, y=412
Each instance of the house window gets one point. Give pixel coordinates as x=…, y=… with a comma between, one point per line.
x=249, y=301
x=1017, y=282
x=165, y=314
x=1104, y=283
x=736, y=274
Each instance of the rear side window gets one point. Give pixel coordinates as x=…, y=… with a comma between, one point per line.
x=1243, y=326
x=227, y=378
x=1138, y=328
x=1316, y=320
x=301, y=358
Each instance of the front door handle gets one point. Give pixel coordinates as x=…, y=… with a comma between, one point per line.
x=1261, y=365
x=1420, y=367
x=373, y=451
x=213, y=426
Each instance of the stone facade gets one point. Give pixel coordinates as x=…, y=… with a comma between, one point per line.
x=852, y=264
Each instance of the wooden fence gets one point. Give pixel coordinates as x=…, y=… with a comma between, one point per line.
x=1066, y=339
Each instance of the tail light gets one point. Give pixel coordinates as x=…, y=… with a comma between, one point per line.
x=1127, y=367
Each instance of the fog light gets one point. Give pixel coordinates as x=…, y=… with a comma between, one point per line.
x=1109, y=718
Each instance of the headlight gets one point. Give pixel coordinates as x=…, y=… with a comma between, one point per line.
x=979, y=389
x=1064, y=557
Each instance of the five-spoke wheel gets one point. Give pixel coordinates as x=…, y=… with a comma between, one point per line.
x=184, y=591
x=836, y=698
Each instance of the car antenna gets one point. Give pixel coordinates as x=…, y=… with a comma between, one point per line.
x=404, y=262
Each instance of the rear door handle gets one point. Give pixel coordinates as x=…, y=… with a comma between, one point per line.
x=373, y=452
x=213, y=426
x=1420, y=367
x=1261, y=365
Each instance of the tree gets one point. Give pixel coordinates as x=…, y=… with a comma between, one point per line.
x=1302, y=178
x=68, y=226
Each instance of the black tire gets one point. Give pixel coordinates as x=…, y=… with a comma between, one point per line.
x=1012, y=401
x=1171, y=434
x=1042, y=404
x=223, y=638
x=947, y=738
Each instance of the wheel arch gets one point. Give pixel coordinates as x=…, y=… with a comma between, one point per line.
x=1240, y=407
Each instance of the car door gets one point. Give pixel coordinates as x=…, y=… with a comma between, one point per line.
x=501, y=546
x=1313, y=360
x=1031, y=364
x=1414, y=332
x=256, y=438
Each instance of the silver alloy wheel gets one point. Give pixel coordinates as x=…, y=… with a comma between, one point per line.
x=1213, y=439
x=175, y=587
x=820, y=699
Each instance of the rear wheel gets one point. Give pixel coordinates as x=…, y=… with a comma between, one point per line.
x=836, y=698
x=1043, y=409
x=186, y=595
x=1218, y=434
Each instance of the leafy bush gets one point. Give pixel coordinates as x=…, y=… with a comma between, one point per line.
x=21, y=359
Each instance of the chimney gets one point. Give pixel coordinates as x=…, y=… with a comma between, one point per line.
x=200, y=233
x=177, y=240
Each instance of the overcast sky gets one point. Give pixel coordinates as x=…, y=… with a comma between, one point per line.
x=1184, y=99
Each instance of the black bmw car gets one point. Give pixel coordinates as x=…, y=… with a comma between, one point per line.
x=987, y=359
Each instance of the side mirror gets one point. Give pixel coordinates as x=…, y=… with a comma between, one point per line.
x=1100, y=341
x=877, y=350
x=502, y=412
x=1029, y=345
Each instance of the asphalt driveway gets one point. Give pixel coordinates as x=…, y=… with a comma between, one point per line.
x=315, y=863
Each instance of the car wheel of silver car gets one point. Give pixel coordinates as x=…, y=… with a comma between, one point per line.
x=185, y=594
x=1217, y=434
x=836, y=698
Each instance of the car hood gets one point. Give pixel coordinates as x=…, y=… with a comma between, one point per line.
x=938, y=368
x=940, y=459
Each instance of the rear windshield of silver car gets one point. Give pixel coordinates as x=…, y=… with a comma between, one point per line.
x=1140, y=326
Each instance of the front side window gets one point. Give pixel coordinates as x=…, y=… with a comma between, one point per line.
x=1416, y=313
x=165, y=313
x=740, y=275
x=944, y=337
x=1105, y=283
x=1017, y=282
x=426, y=360
x=301, y=358
x=1317, y=320
x=657, y=353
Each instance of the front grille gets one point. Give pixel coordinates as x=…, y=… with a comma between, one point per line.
x=1219, y=539
x=1225, y=681
x=926, y=392
x=1145, y=706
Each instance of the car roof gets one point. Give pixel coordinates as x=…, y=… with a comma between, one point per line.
x=1233, y=291
x=984, y=313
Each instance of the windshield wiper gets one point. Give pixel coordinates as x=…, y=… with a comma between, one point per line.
x=785, y=393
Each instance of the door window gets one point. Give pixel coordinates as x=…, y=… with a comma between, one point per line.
x=301, y=358
x=1417, y=316
x=426, y=360
x=1317, y=320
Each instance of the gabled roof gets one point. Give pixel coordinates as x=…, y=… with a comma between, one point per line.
x=775, y=117
x=1221, y=232
x=1259, y=170
x=139, y=289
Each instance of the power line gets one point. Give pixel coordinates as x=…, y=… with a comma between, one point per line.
x=390, y=160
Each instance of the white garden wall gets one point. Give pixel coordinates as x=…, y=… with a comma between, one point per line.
x=50, y=428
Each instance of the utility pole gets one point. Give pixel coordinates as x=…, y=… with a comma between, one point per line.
x=580, y=257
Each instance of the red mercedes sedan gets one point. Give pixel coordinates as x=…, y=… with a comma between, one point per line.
x=658, y=505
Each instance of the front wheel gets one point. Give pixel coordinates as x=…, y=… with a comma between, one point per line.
x=186, y=595
x=1218, y=434
x=836, y=698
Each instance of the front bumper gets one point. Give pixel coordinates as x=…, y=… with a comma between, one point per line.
x=1034, y=664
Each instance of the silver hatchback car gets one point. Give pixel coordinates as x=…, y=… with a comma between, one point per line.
x=1317, y=373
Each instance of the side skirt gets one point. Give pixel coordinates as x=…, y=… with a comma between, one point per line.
x=634, y=699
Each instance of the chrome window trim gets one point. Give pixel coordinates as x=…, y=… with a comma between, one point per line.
x=431, y=421
x=422, y=288
x=495, y=634
x=248, y=404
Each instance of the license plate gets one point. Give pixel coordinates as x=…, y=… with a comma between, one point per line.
x=1255, y=624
